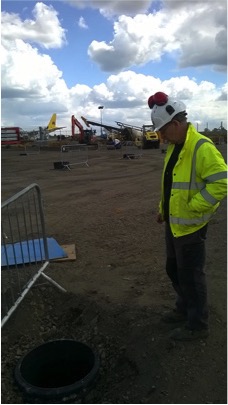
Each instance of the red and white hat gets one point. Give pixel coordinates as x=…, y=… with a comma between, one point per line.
x=164, y=109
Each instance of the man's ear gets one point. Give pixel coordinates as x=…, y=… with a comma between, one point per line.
x=176, y=123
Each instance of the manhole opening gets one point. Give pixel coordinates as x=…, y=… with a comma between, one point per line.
x=57, y=368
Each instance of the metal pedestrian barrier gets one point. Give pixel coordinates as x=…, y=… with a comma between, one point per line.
x=31, y=148
x=131, y=151
x=73, y=155
x=24, y=248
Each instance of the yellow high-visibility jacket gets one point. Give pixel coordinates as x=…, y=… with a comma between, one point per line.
x=199, y=184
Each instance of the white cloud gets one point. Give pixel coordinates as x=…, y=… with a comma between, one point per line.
x=30, y=80
x=44, y=29
x=124, y=97
x=198, y=36
x=205, y=42
x=28, y=73
x=82, y=23
x=134, y=43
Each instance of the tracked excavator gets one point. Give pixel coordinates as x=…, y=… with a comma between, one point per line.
x=86, y=136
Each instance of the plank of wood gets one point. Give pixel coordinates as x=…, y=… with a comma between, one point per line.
x=71, y=254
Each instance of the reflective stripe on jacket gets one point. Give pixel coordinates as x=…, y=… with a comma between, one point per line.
x=199, y=183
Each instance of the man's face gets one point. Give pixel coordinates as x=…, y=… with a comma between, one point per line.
x=170, y=132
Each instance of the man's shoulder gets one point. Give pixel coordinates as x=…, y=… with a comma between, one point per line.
x=193, y=131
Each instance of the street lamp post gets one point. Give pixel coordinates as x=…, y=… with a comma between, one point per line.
x=101, y=108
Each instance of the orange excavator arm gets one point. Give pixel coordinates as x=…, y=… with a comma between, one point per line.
x=74, y=122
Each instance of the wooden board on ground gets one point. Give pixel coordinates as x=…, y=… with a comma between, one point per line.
x=71, y=254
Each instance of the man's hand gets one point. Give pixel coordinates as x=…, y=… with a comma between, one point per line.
x=160, y=219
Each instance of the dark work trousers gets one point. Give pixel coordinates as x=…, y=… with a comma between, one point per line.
x=185, y=267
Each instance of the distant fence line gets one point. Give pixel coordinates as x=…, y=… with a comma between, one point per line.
x=74, y=154
x=131, y=151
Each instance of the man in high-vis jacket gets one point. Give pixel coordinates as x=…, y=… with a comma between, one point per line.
x=194, y=181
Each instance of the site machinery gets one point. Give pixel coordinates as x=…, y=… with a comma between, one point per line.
x=150, y=138
x=144, y=136
x=86, y=136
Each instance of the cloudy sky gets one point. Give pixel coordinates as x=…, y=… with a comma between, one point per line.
x=71, y=56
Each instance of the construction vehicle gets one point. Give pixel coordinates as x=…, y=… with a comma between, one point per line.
x=109, y=128
x=150, y=138
x=86, y=136
x=143, y=137
x=131, y=133
x=123, y=132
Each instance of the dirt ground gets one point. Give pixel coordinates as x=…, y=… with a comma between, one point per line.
x=117, y=288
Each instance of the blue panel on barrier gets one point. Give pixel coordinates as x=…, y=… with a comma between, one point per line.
x=30, y=251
